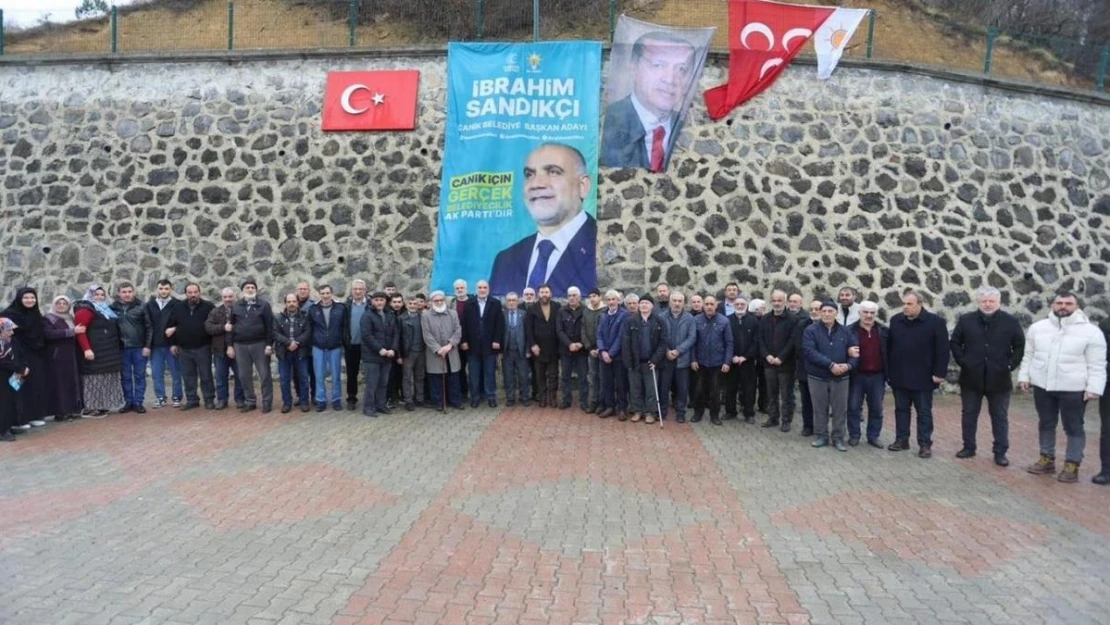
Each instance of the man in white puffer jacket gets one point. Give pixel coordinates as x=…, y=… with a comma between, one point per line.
x=1065, y=363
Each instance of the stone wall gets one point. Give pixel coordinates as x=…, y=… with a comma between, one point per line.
x=213, y=171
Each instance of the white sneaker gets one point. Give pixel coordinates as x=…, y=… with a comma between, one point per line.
x=37, y=423
x=176, y=402
x=158, y=403
x=21, y=427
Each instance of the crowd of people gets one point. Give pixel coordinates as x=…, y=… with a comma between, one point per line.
x=635, y=359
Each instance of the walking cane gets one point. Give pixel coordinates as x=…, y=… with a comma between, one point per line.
x=658, y=406
x=447, y=372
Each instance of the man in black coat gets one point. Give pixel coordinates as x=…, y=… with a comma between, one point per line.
x=803, y=321
x=542, y=338
x=483, y=327
x=918, y=364
x=741, y=378
x=573, y=356
x=776, y=351
x=192, y=346
x=988, y=344
x=381, y=347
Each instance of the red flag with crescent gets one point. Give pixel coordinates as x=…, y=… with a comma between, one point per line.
x=763, y=38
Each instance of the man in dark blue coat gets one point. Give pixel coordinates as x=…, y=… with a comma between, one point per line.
x=329, y=324
x=381, y=347
x=483, y=330
x=561, y=253
x=828, y=348
x=918, y=364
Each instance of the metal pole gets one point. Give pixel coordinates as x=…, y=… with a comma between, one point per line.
x=230, y=25
x=1103, y=64
x=481, y=18
x=992, y=34
x=871, y=33
x=115, y=29
x=535, y=20
x=612, y=19
x=352, y=20
x=1, y=32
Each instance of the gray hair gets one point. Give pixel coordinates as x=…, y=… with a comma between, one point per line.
x=679, y=294
x=358, y=282
x=226, y=290
x=987, y=291
x=511, y=294
x=480, y=283
x=915, y=293
x=459, y=282
x=869, y=306
x=527, y=289
x=612, y=293
x=574, y=291
x=632, y=297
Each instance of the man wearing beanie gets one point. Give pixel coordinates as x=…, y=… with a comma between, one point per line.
x=252, y=324
x=826, y=346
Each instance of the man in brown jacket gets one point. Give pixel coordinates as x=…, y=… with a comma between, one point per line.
x=218, y=326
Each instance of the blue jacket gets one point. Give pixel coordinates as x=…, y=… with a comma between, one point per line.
x=330, y=336
x=822, y=347
x=918, y=351
x=682, y=334
x=610, y=332
x=714, y=341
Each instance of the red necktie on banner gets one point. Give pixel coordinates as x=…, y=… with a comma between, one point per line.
x=657, y=149
x=764, y=37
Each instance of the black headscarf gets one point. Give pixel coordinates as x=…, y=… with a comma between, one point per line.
x=30, y=330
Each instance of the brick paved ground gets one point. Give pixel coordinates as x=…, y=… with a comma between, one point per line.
x=516, y=516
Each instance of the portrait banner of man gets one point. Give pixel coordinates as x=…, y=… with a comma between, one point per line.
x=518, y=196
x=653, y=77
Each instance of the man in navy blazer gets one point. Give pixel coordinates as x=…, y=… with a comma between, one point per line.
x=640, y=130
x=562, y=252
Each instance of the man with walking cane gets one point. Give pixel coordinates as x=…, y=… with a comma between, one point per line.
x=645, y=347
x=442, y=335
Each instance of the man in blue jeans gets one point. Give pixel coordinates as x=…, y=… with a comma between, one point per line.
x=329, y=324
x=133, y=330
x=917, y=365
x=868, y=382
x=218, y=326
x=159, y=341
x=293, y=346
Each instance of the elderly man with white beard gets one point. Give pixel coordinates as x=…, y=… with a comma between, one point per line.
x=442, y=335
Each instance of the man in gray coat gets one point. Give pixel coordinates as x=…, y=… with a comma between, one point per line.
x=514, y=358
x=675, y=373
x=442, y=335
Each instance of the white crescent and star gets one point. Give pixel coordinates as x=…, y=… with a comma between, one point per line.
x=765, y=30
x=345, y=100
x=768, y=66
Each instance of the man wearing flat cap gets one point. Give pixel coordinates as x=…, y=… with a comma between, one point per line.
x=252, y=325
x=381, y=347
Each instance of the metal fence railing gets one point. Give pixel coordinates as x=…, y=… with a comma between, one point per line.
x=207, y=25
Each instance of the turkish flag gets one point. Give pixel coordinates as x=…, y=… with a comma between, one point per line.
x=763, y=38
x=381, y=100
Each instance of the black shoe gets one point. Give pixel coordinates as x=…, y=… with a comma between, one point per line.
x=286, y=408
x=304, y=407
x=266, y=409
x=853, y=440
x=785, y=426
x=807, y=431
x=526, y=404
x=587, y=410
x=493, y=403
x=139, y=409
x=729, y=416
x=1102, y=479
x=457, y=406
x=409, y=407
x=749, y=419
x=321, y=407
x=190, y=406
x=246, y=408
x=965, y=453
x=564, y=406
x=126, y=409
x=680, y=419
x=1002, y=461
x=474, y=403
x=769, y=423
x=338, y=405
x=898, y=446
x=926, y=451
x=715, y=420
x=369, y=413
x=386, y=410
x=509, y=403
x=696, y=418
x=220, y=405
x=7, y=437
x=874, y=442
x=351, y=404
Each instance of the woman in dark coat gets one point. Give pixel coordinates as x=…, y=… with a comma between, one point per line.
x=34, y=398
x=61, y=344
x=102, y=359
x=11, y=364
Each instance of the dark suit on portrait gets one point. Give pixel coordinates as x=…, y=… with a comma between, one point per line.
x=576, y=267
x=622, y=137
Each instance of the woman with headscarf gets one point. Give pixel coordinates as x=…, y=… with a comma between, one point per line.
x=11, y=368
x=61, y=344
x=34, y=398
x=102, y=359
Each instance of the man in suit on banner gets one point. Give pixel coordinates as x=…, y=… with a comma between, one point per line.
x=640, y=129
x=561, y=253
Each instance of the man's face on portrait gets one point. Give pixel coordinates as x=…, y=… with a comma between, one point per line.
x=661, y=75
x=554, y=187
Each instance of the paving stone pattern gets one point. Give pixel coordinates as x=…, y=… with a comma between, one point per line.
x=517, y=516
